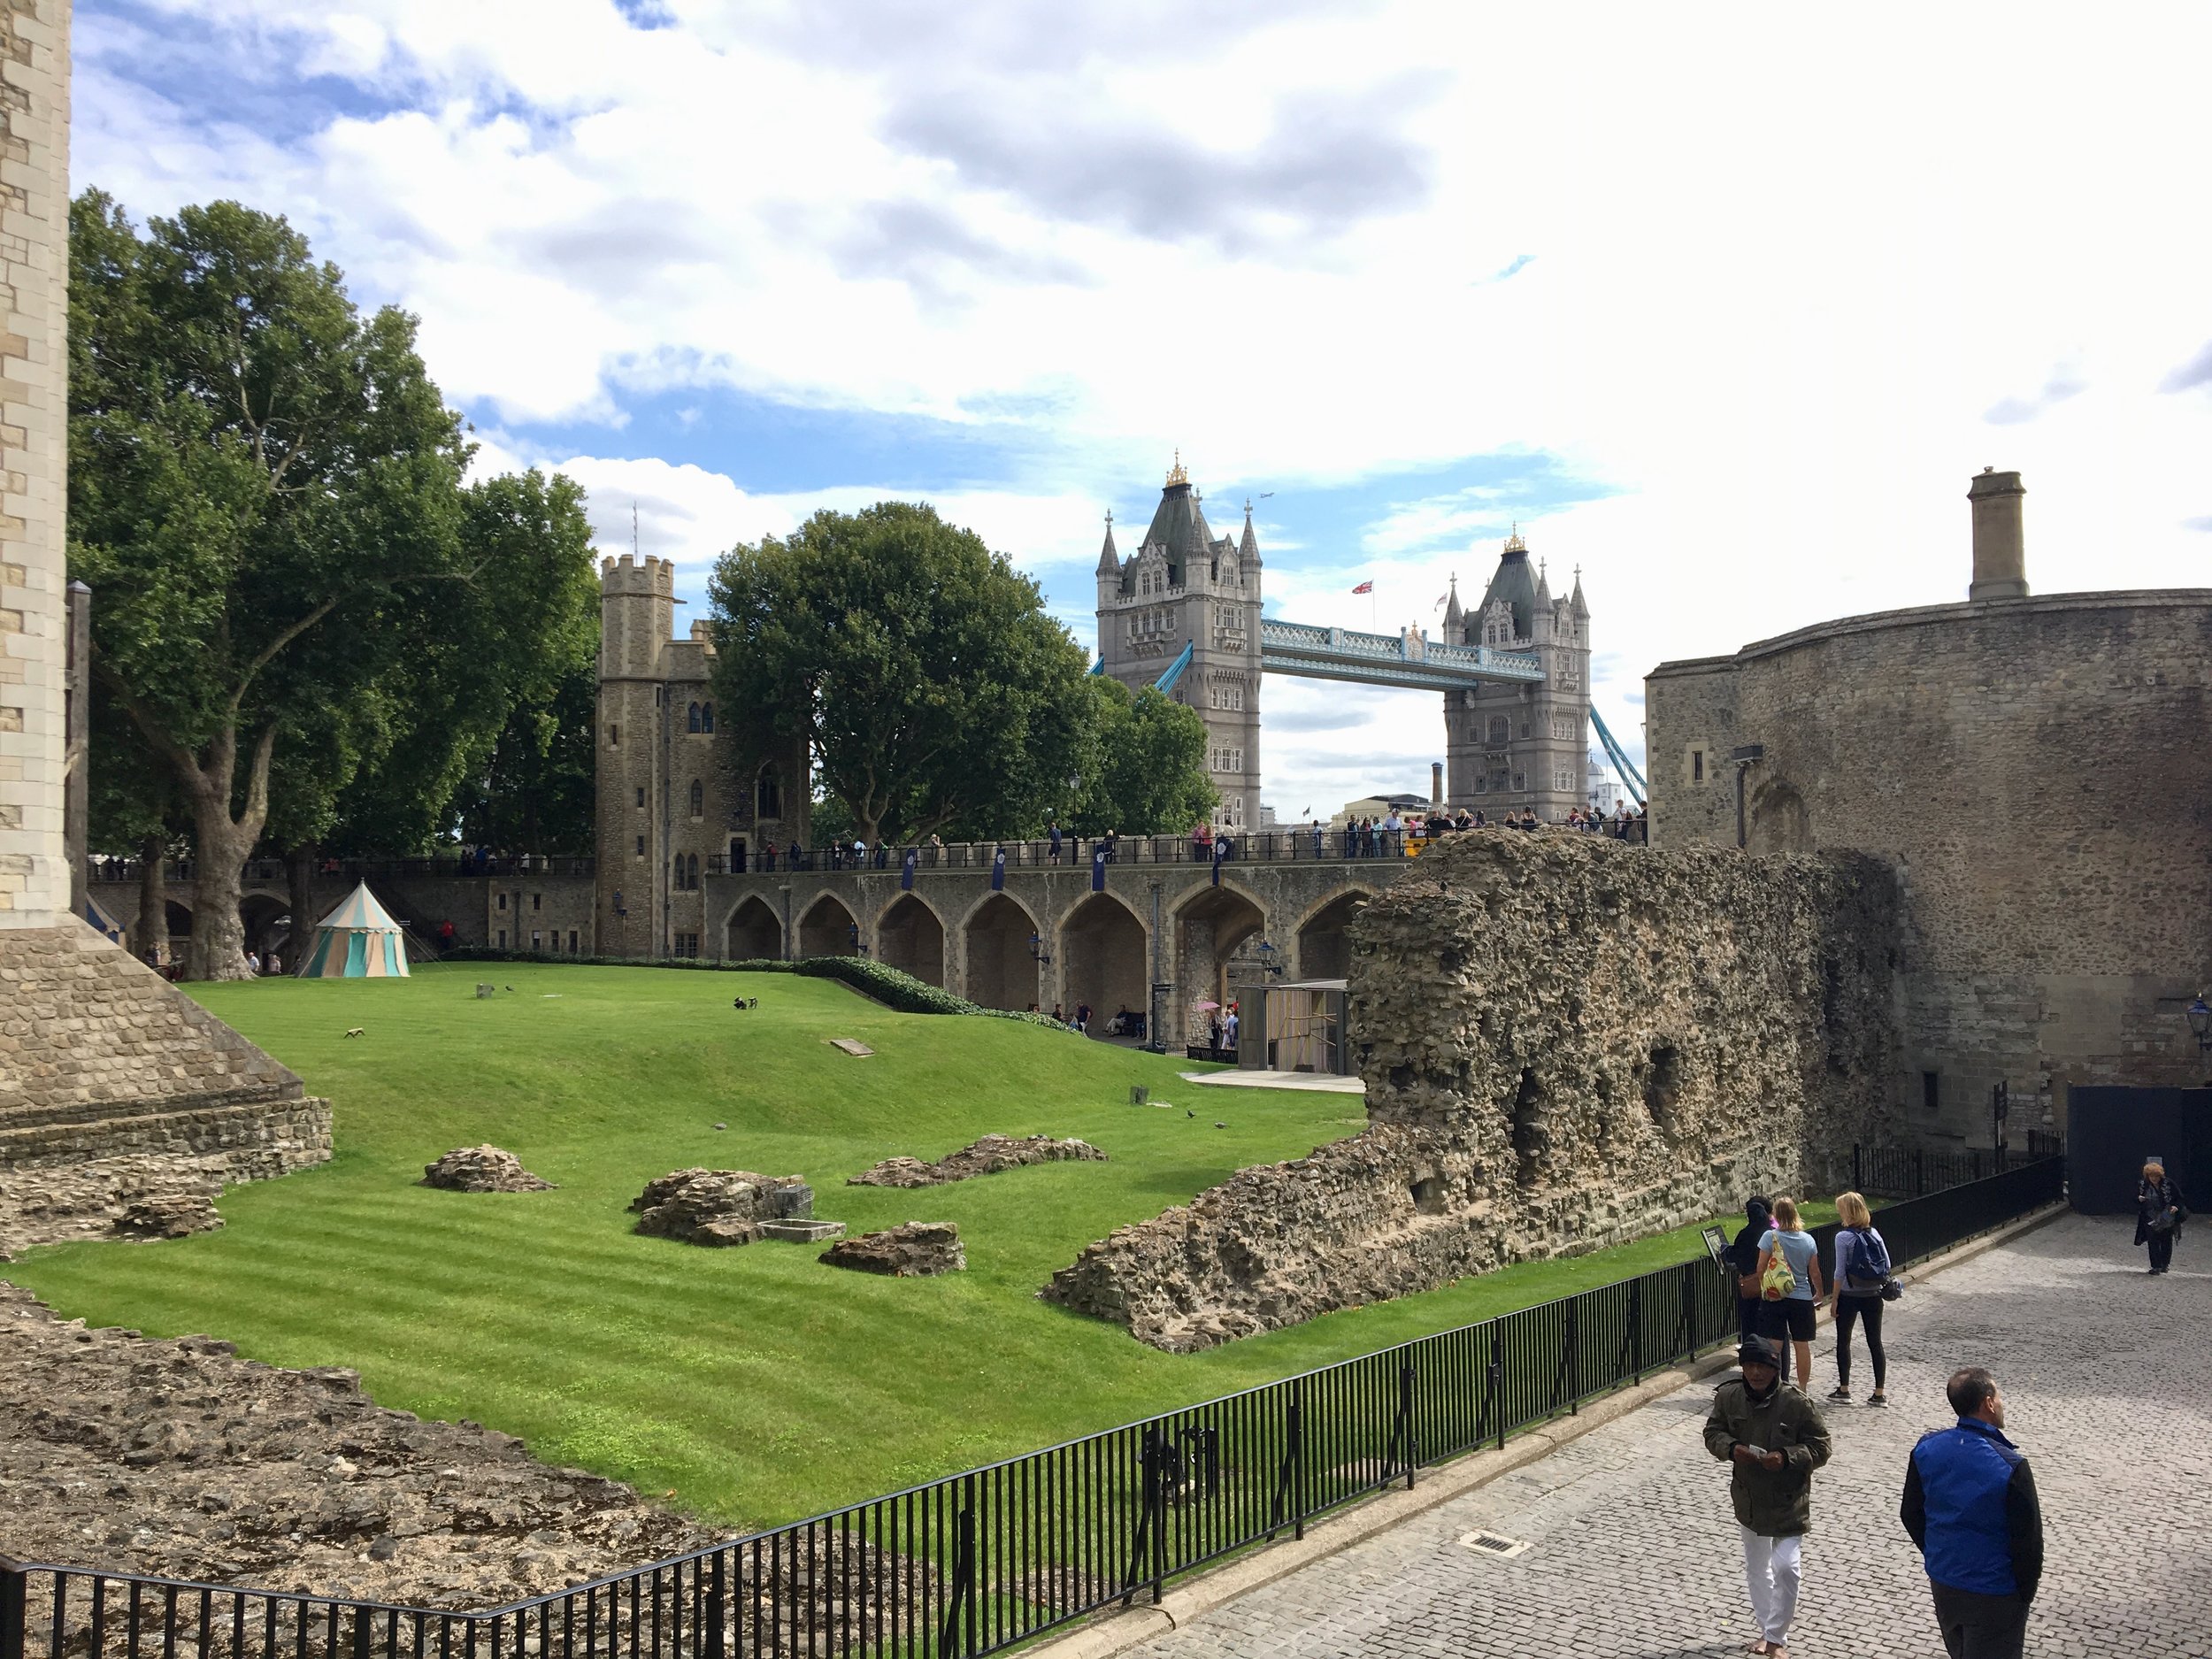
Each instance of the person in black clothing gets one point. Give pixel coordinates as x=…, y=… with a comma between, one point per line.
x=2159, y=1213
x=1744, y=1254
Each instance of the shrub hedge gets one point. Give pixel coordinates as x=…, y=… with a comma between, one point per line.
x=893, y=987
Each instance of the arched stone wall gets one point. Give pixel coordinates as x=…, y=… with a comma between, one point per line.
x=827, y=928
x=754, y=932
x=999, y=971
x=1324, y=946
x=911, y=938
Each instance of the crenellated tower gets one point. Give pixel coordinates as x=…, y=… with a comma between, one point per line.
x=1187, y=587
x=1512, y=746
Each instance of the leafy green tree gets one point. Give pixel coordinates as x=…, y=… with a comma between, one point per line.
x=534, y=792
x=292, y=589
x=934, y=694
x=1148, y=772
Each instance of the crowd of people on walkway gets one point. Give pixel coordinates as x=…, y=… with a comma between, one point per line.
x=1967, y=1500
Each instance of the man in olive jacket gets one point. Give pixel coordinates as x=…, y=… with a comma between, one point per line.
x=1773, y=1437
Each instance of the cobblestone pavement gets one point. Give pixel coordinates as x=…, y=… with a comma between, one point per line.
x=1634, y=1551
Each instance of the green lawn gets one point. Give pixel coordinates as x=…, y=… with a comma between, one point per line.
x=754, y=1385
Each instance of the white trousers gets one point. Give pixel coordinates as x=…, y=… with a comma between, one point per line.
x=1770, y=1573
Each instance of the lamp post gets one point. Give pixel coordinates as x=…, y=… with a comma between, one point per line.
x=1038, y=954
x=1271, y=958
x=2200, y=1021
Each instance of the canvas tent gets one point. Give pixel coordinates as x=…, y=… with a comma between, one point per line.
x=358, y=940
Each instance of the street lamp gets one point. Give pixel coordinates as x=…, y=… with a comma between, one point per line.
x=1271, y=958
x=2200, y=1023
x=1038, y=954
x=853, y=933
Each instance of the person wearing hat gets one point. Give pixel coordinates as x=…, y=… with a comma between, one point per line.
x=1772, y=1437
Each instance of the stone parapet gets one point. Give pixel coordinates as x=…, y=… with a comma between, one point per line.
x=1566, y=1043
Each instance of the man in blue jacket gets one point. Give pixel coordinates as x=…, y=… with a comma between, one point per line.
x=1971, y=1506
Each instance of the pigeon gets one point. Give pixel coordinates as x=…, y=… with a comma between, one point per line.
x=1188, y=1112
x=1219, y=1124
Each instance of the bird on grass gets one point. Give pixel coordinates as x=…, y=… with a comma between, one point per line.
x=1219, y=1124
x=1188, y=1112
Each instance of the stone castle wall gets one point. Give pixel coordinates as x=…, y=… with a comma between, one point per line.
x=115, y=1085
x=2039, y=771
x=1566, y=1042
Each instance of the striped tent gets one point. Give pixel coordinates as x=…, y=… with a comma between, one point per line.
x=358, y=940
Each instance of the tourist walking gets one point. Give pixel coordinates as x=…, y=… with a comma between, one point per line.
x=2159, y=1213
x=1744, y=1257
x=1971, y=1506
x=1774, y=1438
x=1790, y=1252
x=1052, y=834
x=1861, y=1283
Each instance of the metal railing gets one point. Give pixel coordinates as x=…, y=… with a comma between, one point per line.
x=981, y=1560
x=1913, y=1171
x=272, y=870
x=1276, y=846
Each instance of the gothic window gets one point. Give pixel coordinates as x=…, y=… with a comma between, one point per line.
x=1500, y=731
x=1562, y=778
x=698, y=798
x=614, y=737
x=767, y=793
x=691, y=872
x=640, y=845
x=706, y=716
x=640, y=795
x=691, y=718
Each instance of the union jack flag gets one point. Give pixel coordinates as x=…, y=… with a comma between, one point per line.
x=1364, y=587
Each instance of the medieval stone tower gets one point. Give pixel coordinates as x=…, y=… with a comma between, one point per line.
x=676, y=802
x=1514, y=746
x=1186, y=589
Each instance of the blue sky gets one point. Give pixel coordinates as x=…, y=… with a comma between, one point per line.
x=1723, y=310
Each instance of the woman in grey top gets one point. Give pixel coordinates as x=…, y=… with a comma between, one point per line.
x=1789, y=1322
x=1861, y=1269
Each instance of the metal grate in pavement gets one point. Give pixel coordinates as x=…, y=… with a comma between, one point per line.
x=1493, y=1544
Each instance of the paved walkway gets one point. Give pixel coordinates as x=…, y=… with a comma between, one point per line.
x=2108, y=1382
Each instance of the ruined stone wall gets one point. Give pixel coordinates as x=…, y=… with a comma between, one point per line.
x=115, y=1085
x=1566, y=1042
x=2038, y=771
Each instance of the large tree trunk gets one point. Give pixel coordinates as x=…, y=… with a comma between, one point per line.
x=224, y=843
x=299, y=877
x=153, y=899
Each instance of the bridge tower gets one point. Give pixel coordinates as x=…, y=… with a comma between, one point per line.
x=1514, y=746
x=1186, y=589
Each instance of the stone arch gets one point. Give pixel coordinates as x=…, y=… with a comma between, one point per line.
x=827, y=928
x=994, y=943
x=265, y=923
x=910, y=936
x=1213, y=930
x=1325, y=949
x=1103, y=959
x=177, y=925
x=754, y=932
x=1778, y=822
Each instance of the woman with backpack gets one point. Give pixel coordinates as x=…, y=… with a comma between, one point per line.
x=2159, y=1213
x=1789, y=1288
x=1861, y=1280
x=1744, y=1257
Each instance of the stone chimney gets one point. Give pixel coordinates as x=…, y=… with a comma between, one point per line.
x=1436, y=784
x=2001, y=567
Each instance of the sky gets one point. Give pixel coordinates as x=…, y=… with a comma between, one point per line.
x=1722, y=305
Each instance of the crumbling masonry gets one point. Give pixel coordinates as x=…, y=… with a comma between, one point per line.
x=1567, y=1042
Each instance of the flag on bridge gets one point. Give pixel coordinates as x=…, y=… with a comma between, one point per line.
x=998, y=870
x=1221, y=851
x=1098, y=867
x=1364, y=587
x=906, y=869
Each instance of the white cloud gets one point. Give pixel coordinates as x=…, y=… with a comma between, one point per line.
x=1776, y=288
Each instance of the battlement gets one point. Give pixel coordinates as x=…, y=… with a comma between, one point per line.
x=652, y=578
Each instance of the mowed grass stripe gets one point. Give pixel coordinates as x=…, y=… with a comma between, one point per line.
x=756, y=1384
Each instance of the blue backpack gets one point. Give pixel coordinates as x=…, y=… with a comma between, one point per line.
x=1868, y=1262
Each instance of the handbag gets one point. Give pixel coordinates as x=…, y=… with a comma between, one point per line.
x=1893, y=1289
x=1777, y=1282
x=2163, y=1221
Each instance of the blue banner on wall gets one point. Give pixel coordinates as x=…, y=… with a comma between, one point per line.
x=1098, y=868
x=906, y=869
x=998, y=870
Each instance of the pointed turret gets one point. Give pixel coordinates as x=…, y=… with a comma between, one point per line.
x=1109, y=559
x=1581, y=605
x=1453, y=617
x=1249, y=548
x=1511, y=583
x=1543, y=586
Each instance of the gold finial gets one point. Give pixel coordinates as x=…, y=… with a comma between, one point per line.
x=1176, y=474
x=1513, y=544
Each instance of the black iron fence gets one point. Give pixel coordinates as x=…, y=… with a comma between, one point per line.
x=1273, y=846
x=1913, y=1171
x=265, y=870
x=981, y=1560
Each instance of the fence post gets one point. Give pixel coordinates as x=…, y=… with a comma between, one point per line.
x=717, y=1603
x=14, y=1600
x=1689, y=1311
x=1409, y=1445
x=1497, y=1377
x=1858, y=1174
x=1920, y=1172
x=960, y=1611
x=1156, y=1491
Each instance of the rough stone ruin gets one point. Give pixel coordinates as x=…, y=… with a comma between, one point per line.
x=913, y=1249
x=721, y=1207
x=987, y=1156
x=481, y=1170
x=118, y=1090
x=1566, y=1042
x=174, y=1216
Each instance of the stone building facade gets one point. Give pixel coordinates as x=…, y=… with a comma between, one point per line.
x=1184, y=585
x=676, y=802
x=1509, y=747
x=2037, y=768
x=1566, y=1042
